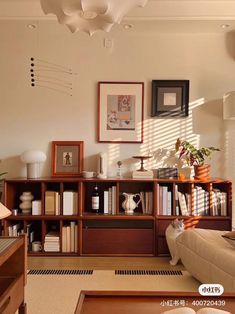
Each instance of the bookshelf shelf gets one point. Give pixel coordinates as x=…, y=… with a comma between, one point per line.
x=115, y=233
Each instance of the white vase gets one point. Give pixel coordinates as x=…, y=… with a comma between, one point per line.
x=26, y=204
x=129, y=204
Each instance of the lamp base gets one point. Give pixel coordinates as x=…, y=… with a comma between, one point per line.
x=33, y=171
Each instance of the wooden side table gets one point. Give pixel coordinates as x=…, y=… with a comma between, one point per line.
x=13, y=272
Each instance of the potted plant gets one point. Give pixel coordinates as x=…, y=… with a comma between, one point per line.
x=195, y=157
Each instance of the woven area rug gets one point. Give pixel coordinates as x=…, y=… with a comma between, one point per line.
x=57, y=292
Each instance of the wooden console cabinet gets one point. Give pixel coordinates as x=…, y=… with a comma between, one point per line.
x=12, y=274
x=116, y=233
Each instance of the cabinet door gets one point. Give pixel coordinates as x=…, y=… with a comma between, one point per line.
x=117, y=241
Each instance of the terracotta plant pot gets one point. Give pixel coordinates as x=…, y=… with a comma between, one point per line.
x=202, y=172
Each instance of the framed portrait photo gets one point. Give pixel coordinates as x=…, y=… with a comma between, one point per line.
x=67, y=158
x=170, y=98
x=120, y=112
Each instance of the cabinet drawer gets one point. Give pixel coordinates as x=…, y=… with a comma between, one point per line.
x=117, y=241
x=11, y=294
x=214, y=224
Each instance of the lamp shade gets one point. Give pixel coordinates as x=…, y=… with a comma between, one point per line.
x=90, y=15
x=4, y=211
x=229, y=106
x=33, y=158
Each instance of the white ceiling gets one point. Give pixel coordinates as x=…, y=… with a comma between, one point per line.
x=157, y=15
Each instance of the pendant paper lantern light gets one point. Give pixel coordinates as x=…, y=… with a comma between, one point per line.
x=90, y=15
x=33, y=158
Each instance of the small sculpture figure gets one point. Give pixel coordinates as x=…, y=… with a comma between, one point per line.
x=119, y=173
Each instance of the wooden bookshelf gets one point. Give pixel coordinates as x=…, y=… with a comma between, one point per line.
x=117, y=234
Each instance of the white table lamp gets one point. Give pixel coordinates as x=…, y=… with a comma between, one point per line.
x=33, y=158
x=4, y=211
x=229, y=106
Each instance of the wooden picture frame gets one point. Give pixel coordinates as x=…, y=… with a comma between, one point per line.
x=67, y=158
x=170, y=98
x=120, y=112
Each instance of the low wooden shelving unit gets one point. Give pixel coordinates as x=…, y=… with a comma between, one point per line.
x=118, y=234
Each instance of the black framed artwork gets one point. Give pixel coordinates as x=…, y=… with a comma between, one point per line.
x=170, y=98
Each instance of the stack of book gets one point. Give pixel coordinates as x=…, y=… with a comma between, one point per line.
x=52, y=203
x=70, y=203
x=52, y=242
x=69, y=238
x=110, y=200
x=147, y=174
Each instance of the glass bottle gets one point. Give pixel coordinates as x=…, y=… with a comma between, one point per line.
x=95, y=199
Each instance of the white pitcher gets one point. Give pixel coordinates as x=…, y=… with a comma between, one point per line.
x=129, y=204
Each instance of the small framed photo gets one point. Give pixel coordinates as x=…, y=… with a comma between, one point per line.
x=170, y=98
x=67, y=158
x=120, y=112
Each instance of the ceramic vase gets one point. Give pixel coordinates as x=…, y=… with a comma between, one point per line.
x=26, y=204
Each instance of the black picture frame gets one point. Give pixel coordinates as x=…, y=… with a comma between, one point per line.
x=170, y=98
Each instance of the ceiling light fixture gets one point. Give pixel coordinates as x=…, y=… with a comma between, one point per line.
x=127, y=26
x=31, y=26
x=90, y=15
x=225, y=25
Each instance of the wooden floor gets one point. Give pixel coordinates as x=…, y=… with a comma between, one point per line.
x=101, y=263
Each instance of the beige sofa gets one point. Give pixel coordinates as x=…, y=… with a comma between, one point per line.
x=208, y=257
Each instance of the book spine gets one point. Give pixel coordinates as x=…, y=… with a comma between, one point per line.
x=106, y=202
x=114, y=189
x=68, y=240
x=72, y=236
x=110, y=201
x=64, y=239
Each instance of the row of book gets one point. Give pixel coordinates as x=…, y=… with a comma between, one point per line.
x=53, y=206
x=219, y=203
x=110, y=200
x=147, y=202
x=69, y=238
x=202, y=203
x=164, y=201
x=15, y=230
x=183, y=202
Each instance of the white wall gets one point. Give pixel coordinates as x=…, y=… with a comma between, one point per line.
x=33, y=117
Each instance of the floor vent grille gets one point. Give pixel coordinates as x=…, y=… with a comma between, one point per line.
x=150, y=272
x=60, y=272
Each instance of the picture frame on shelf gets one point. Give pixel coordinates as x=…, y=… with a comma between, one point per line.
x=170, y=98
x=67, y=158
x=120, y=112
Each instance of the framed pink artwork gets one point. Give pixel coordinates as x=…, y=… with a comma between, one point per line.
x=120, y=112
